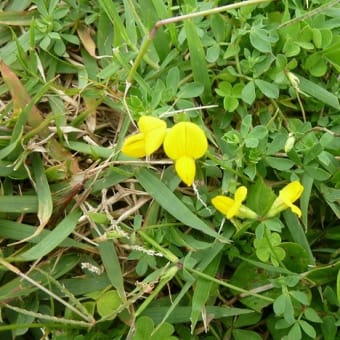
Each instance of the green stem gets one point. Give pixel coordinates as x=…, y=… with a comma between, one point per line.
x=168, y=254
x=45, y=317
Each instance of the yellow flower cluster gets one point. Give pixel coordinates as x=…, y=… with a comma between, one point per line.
x=184, y=143
x=234, y=207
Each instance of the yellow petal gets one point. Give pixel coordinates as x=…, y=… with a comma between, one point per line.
x=291, y=192
x=154, y=130
x=185, y=139
x=241, y=194
x=148, y=123
x=186, y=169
x=222, y=204
x=234, y=209
x=239, y=197
x=154, y=140
x=296, y=210
x=134, y=146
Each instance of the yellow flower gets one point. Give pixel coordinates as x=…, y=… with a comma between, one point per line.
x=184, y=143
x=148, y=140
x=234, y=207
x=287, y=196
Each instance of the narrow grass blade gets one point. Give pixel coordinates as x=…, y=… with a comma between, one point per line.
x=53, y=239
x=170, y=202
x=197, y=58
x=307, y=182
x=120, y=34
x=45, y=204
x=8, y=53
x=112, y=266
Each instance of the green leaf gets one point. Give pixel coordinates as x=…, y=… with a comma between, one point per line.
x=230, y=103
x=112, y=266
x=278, y=163
x=145, y=330
x=53, y=239
x=283, y=307
x=260, y=39
x=338, y=287
x=317, y=173
x=308, y=328
x=108, y=303
x=297, y=258
x=248, y=93
x=191, y=90
x=295, y=332
x=181, y=314
x=18, y=231
x=19, y=204
x=197, y=58
x=119, y=30
x=45, y=204
x=297, y=233
x=312, y=315
x=170, y=202
x=260, y=197
x=242, y=334
x=318, y=92
x=202, y=292
x=300, y=296
x=268, y=89
x=213, y=53
x=328, y=327
x=316, y=65
x=307, y=182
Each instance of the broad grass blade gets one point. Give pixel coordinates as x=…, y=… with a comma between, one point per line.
x=45, y=204
x=170, y=202
x=197, y=58
x=297, y=233
x=17, y=231
x=202, y=292
x=53, y=239
x=19, y=204
x=112, y=266
x=181, y=314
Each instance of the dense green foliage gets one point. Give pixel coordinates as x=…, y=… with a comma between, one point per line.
x=100, y=245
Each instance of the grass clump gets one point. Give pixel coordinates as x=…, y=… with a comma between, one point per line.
x=169, y=169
